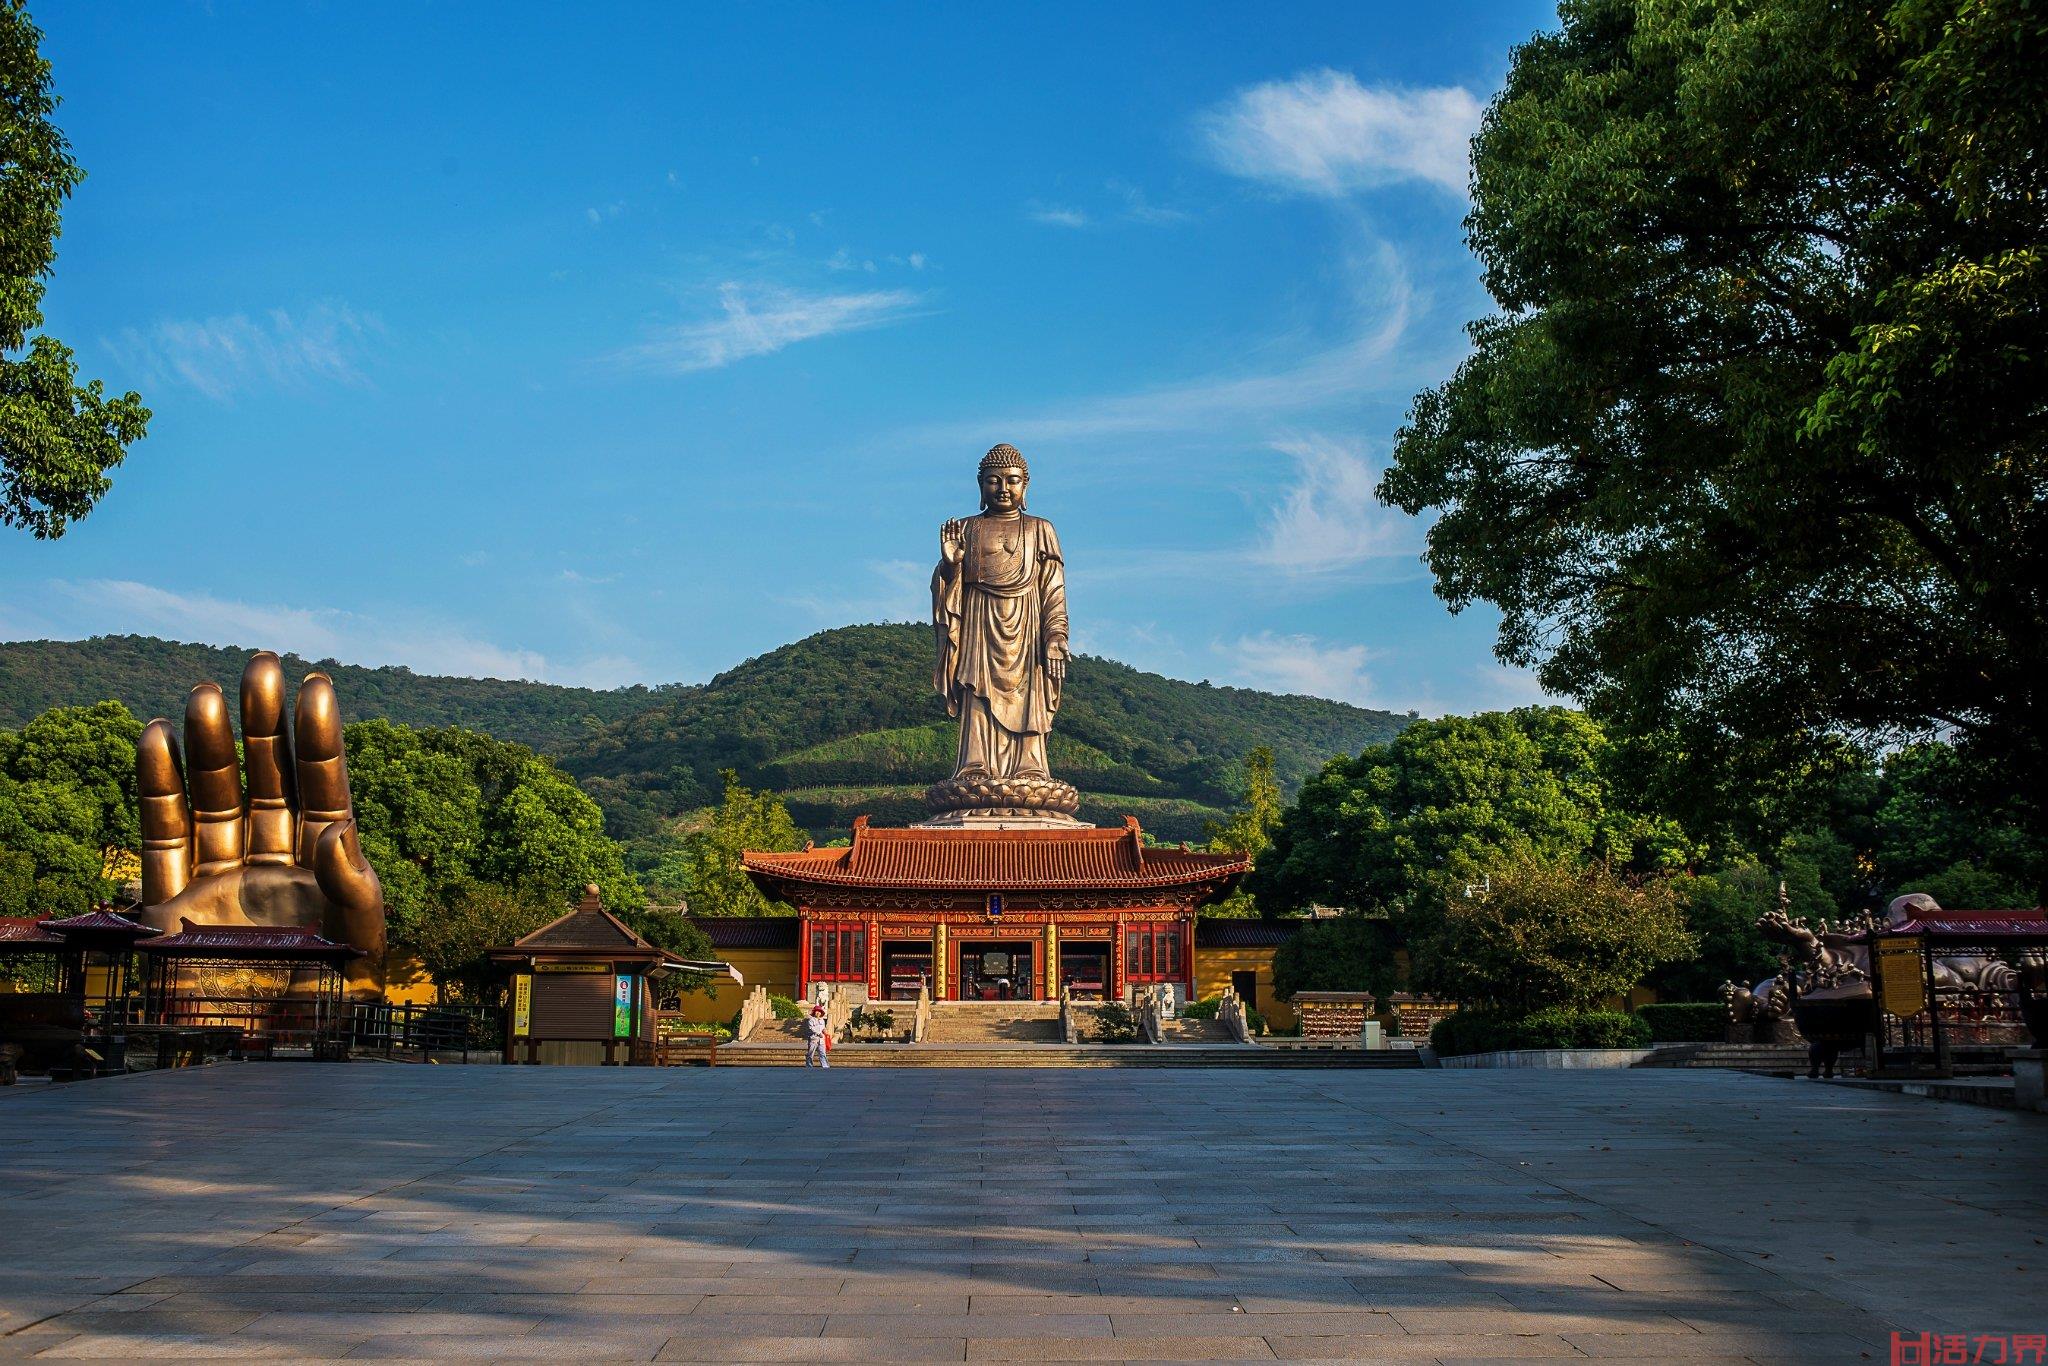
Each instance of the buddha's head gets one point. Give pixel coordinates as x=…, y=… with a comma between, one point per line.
x=1004, y=477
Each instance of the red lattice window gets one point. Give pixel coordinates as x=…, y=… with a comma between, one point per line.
x=839, y=953
x=1154, y=953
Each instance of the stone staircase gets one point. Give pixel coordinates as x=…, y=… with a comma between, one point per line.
x=1193, y=1031
x=985, y=1022
x=1741, y=1057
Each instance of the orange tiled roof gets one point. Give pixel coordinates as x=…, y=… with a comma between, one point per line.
x=998, y=860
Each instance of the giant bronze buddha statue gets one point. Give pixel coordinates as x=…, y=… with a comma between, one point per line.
x=999, y=607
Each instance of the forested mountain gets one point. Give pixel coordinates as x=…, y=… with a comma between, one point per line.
x=152, y=676
x=847, y=721
x=841, y=723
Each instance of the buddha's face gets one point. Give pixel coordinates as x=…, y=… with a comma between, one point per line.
x=1002, y=488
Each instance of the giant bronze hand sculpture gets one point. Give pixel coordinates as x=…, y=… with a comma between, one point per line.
x=287, y=853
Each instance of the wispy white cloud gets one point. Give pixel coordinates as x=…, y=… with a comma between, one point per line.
x=892, y=590
x=1330, y=521
x=1139, y=209
x=1337, y=372
x=604, y=213
x=844, y=259
x=219, y=357
x=763, y=319
x=93, y=606
x=1300, y=664
x=1057, y=215
x=1324, y=133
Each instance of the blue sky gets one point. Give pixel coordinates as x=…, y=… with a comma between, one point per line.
x=619, y=344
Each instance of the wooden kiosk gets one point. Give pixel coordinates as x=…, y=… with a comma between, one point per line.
x=580, y=990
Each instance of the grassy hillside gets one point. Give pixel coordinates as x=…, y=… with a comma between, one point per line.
x=152, y=676
x=840, y=723
x=850, y=715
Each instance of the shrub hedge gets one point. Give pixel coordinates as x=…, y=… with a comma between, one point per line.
x=784, y=1007
x=1685, y=1021
x=1488, y=1031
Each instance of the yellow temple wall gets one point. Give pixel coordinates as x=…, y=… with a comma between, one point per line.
x=1213, y=967
x=774, y=969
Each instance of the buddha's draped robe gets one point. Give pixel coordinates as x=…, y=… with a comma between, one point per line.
x=996, y=611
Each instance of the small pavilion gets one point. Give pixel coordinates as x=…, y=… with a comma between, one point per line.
x=65, y=987
x=1929, y=1018
x=274, y=986
x=585, y=988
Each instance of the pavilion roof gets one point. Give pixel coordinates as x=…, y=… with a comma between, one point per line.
x=998, y=860
x=27, y=932
x=255, y=943
x=591, y=931
x=2010, y=924
x=589, y=926
x=99, y=921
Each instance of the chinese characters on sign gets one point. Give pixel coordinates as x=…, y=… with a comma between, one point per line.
x=1970, y=1349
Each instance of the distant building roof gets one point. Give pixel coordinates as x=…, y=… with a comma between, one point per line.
x=251, y=943
x=750, y=931
x=998, y=860
x=1215, y=933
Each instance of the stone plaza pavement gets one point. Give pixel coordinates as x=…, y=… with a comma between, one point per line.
x=374, y=1210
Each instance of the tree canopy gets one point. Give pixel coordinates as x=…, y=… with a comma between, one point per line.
x=58, y=438
x=444, y=809
x=1755, y=450
x=703, y=868
x=67, y=801
x=1389, y=830
x=1552, y=932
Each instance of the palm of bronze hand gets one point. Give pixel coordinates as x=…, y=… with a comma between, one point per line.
x=284, y=854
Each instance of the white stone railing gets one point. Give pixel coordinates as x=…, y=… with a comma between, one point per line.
x=839, y=1014
x=1230, y=1010
x=1070, y=1018
x=753, y=1011
x=1146, y=1012
x=921, y=1018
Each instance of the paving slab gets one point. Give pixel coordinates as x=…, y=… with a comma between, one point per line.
x=304, y=1210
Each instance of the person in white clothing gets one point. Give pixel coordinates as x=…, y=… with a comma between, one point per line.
x=817, y=1041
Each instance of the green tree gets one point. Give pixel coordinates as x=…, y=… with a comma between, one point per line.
x=1391, y=830
x=1249, y=828
x=1720, y=911
x=58, y=439
x=704, y=870
x=475, y=918
x=67, y=801
x=444, y=810
x=1350, y=953
x=1552, y=932
x=1754, y=450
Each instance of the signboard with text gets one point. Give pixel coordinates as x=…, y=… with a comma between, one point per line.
x=1902, y=980
x=522, y=1006
x=622, y=1008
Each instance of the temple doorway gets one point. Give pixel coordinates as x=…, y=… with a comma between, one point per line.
x=996, y=970
x=906, y=967
x=1084, y=969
